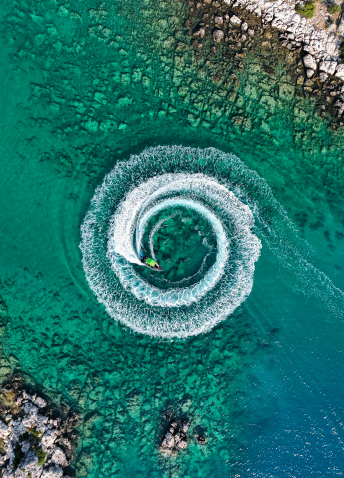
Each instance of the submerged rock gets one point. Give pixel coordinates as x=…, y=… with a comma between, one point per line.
x=218, y=35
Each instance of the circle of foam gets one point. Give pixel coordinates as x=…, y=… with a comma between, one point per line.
x=111, y=241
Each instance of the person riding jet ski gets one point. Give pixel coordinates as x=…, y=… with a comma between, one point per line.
x=151, y=263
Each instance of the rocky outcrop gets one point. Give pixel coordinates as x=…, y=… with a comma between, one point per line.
x=320, y=48
x=314, y=52
x=175, y=438
x=32, y=443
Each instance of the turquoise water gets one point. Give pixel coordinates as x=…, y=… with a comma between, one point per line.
x=84, y=86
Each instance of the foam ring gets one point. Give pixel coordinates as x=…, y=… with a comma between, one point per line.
x=112, y=233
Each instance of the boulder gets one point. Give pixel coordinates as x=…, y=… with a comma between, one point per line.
x=328, y=66
x=218, y=36
x=323, y=77
x=309, y=72
x=175, y=438
x=309, y=62
x=182, y=444
x=59, y=457
x=219, y=22
x=185, y=426
x=199, y=32
x=235, y=21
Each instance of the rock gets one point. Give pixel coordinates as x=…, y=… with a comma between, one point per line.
x=200, y=32
x=201, y=440
x=39, y=402
x=59, y=457
x=182, y=444
x=49, y=437
x=323, y=77
x=186, y=426
x=320, y=47
x=309, y=62
x=300, y=80
x=219, y=22
x=309, y=72
x=4, y=430
x=54, y=471
x=340, y=107
x=235, y=21
x=169, y=440
x=175, y=439
x=218, y=35
x=328, y=66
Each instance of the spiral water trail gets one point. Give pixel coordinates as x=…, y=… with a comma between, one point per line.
x=232, y=199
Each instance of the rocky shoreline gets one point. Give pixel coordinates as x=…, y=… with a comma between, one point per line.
x=236, y=23
x=34, y=443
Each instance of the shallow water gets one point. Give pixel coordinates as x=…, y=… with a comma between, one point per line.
x=85, y=86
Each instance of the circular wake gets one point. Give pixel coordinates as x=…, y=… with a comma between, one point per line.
x=193, y=211
x=158, y=185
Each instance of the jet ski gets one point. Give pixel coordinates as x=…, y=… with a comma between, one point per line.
x=151, y=263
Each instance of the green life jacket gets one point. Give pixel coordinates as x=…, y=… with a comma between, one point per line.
x=150, y=262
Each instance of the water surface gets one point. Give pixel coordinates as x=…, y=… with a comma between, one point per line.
x=86, y=85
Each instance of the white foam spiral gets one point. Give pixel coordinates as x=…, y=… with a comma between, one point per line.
x=112, y=234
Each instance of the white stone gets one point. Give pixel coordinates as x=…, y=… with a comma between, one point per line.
x=235, y=21
x=218, y=35
x=309, y=62
x=4, y=431
x=39, y=402
x=323, y=76
x=328, y=66
x=309, y=72
x=59, y=457
x=182, y=444
x=49, y=437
